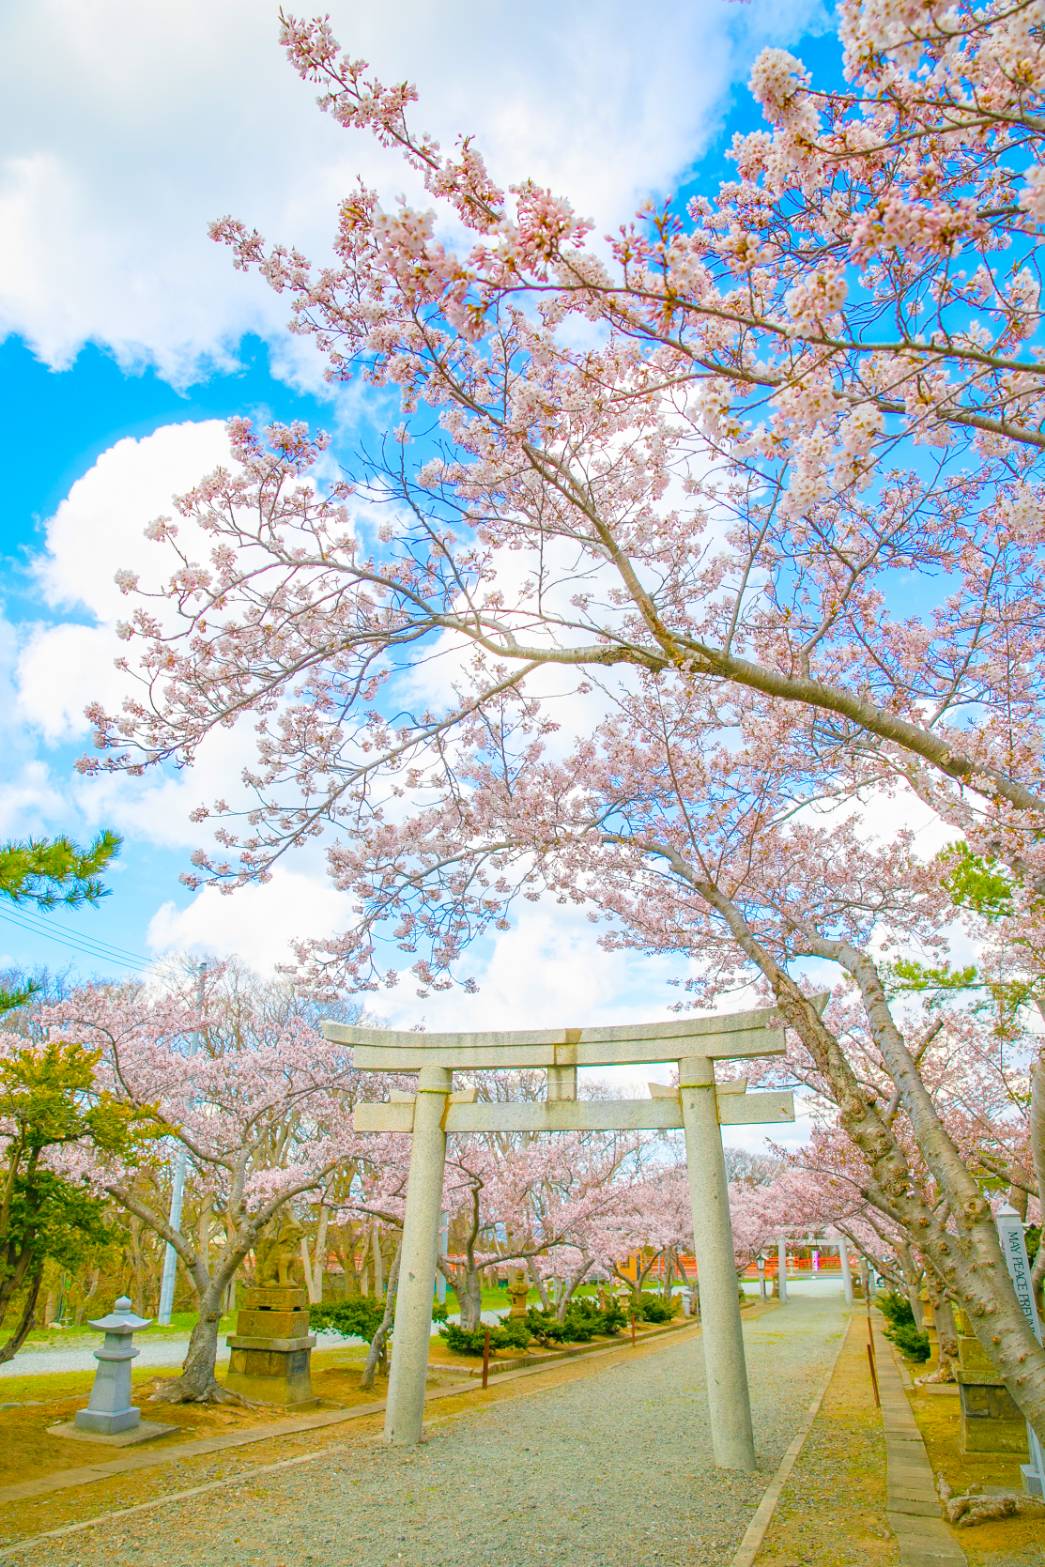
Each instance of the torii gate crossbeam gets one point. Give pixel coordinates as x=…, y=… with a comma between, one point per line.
x=699, y=1107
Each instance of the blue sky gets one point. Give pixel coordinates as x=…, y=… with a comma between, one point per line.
x=125, y=335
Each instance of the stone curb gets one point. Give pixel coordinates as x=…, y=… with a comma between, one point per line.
x=912, y=1504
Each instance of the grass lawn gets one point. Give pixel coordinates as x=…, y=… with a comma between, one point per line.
x=1010, y=1542
x=181, y=1322
x=32, y=1403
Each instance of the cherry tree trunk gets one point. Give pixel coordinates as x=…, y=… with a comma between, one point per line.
x=197, y=1383
x=947, y=1336
x=667, y=1280
x=17, y=1337
x=538, y=1281
x=470, y=1298
x=378, y=1352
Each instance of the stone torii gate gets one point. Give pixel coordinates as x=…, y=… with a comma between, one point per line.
x=700, y=1107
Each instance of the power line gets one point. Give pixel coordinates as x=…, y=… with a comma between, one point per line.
x=70, y=938
x=76, y=946
x=46, y=927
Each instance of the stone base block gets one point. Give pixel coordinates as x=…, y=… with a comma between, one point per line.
x=991, y=1421
x=274, y=1297
x=271, y=1376
x=272, y=1324
x=973, y=1360
x=997, y=1436
x=268, y=1341
x=145, y=1431
x=107, y=1422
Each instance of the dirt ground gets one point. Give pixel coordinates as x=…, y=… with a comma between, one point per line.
x=32, y=1404
x=831, y=1511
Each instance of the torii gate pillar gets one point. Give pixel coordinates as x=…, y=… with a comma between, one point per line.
x=847, y=1272
x=729, y=1404
x=781, y=1268
x=404, y=1411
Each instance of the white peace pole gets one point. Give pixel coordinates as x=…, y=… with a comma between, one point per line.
x=1014, y=1249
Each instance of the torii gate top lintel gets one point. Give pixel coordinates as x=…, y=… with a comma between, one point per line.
x=723, y=1037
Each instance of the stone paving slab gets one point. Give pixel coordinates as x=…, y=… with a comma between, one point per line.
x=912, y=1507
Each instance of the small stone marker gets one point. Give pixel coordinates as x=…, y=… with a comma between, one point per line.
x=110, y=1416
x=272, y=1347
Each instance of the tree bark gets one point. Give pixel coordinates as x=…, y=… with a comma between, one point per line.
x=314, y=1264
x=378, y=1352
x=379, y=1261
x=14, y=1343
x=469, y=1286
x=198, y=1383
x=538, y=1282
x=911, y=1282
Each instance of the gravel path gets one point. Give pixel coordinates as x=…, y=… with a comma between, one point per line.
x=610, y=1470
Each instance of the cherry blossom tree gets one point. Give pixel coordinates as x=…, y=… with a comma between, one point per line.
x=254, y=1094
x=750, y=493
x=534, y=1201
x=798, y=394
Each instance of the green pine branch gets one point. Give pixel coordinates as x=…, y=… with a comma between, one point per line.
x=47, y=872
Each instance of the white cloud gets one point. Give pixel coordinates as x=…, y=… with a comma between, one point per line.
x=99, y=527
x=159, y=118
x=548, y=971
x=257, y=923
x=98, y=530
x=28, y=801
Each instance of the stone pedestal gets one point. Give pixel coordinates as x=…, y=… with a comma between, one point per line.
x=991, y=1421
x=272, y=1347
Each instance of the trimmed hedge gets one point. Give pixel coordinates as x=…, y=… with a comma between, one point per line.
x=513, y=1334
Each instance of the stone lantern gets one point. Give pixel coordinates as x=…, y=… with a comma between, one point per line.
x=109, y=1409
x=110, y=1415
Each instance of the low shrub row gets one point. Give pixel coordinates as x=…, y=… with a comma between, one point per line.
x=656, y=1308
x=358, y=1317
x=912, y=1343
x=510, y=1334
x=585, y=1320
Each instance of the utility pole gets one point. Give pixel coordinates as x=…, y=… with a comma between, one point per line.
x=170, y=1256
